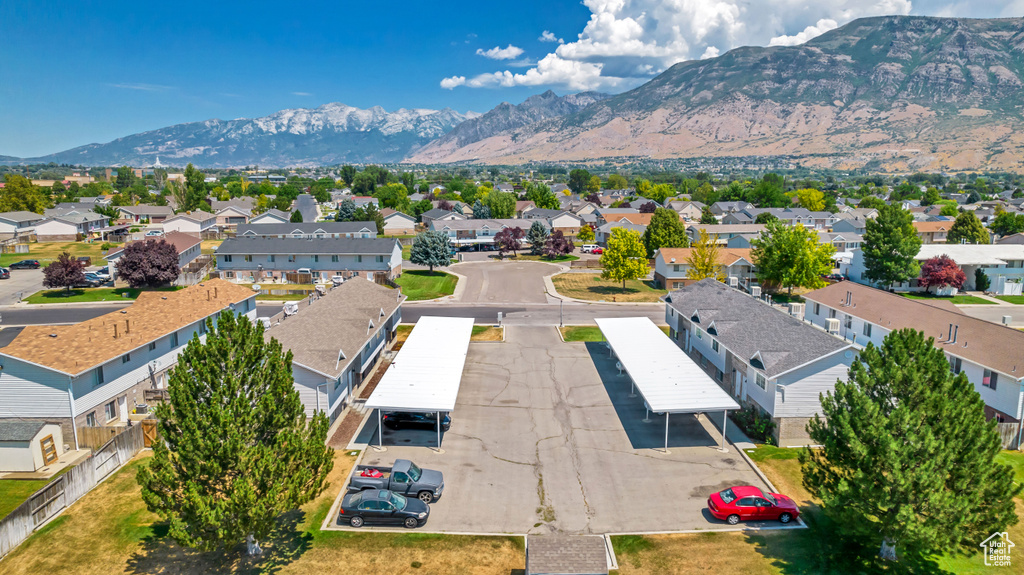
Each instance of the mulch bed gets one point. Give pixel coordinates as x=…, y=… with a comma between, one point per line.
x=346, y=430
x=374, y=380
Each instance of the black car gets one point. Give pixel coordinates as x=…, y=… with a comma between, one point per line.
x=428, y=420
x=382, y=507
x=5, y=274
x=25, y=265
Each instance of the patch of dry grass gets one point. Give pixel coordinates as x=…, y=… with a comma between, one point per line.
x=486, y=333
x=110, y=531
x=590, y=286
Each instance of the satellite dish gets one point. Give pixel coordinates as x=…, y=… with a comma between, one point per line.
x=256, y=287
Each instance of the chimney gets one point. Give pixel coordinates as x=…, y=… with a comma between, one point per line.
x=214, y=292
x=956, y=330
x=115, y=331
x=207, y=295
x=127, y=326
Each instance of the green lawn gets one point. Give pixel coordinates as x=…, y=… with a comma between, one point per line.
x=1014, y=299
x=588, y=332
x=956, y=300
x=90, y=295
x=47, y=252
x=14, y=492
x=532, y=258
x=406, y=250
x=421, y=284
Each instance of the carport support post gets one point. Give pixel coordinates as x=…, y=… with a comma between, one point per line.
x=666, y=431
x=380, y=432
x=439, y=429
x=725, y=418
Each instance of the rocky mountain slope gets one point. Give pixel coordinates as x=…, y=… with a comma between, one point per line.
x=505, y=117
x=330, y=134
x=895, y=92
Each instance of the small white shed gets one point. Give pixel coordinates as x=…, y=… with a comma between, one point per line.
x=27, y=445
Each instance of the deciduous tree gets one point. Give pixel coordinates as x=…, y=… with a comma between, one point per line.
x=236, y=450
x=125, y=178
x=586, y=233
x=431, y=249
x=509, y=240
x=907, y=458
x=542, y=196
x=19, y=194
x=941, y=271
x=195, y=189
x=791, y=256
x=594, y=185
x=967, y=229
x=648, y=207
x=617, y=182
x=765, y=217
x=810, y=199
x=890, y=246
x=149, y=263
x=664, y=231
x=578, y=180
x=705, y=259
x=65, y=272
x=557, y=245
x=348, y=174
x=502, y=204
x=625, y=258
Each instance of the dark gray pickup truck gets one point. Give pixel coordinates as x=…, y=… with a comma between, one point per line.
x=403, y=477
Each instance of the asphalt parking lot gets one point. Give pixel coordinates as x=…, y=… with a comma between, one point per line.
x=546, y=438
x=505, y=282
x=25, y=282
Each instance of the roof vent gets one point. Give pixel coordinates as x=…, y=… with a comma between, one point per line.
x=53, y=335
x=163, y=297
x=124, y=311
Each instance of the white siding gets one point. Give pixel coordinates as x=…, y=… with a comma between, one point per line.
x=30, y=391
x=305, y=383
x=56, y=228
x=797, y=393
x=762, y=397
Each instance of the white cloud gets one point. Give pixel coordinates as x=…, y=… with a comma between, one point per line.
x=141, y=87
x=510, y=52
x=549, y=36
x=301, y=94
x=823, y=25
x=625, y=42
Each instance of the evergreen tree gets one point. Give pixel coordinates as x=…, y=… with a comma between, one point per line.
x=537, y=236
x=235, y=449
x=704, y=261
x=907, y=456
x=981, y=281
x=890, y=245
x=967, y=229
x=791, y=256
x=706, y=217
x=664, y=231
x=625, y=258
x=431, y=249
x=296, y=217
x=346, y=210
x=480, y=211
x=195, y=189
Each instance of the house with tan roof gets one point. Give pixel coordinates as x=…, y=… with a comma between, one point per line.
x=188, y=246
x=724, y=233
x=336, y=341
x=932, y=232
x=92, y=374
x=991, y=355
x=397, y=223
x=671, y=266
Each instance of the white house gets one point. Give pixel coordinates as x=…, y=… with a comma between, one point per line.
x=1002, y=263
x=397, y=223
x=70, y=228
x=271, y=216
x=671, y=266
x=764, y=357
x=93, y=373
x=191, y=222
x=990, y=354
x=14, y=224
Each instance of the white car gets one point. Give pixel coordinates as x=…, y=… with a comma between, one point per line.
x=152, y=233
x=588, y=248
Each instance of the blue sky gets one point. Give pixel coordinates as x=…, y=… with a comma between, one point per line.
x=90, y=71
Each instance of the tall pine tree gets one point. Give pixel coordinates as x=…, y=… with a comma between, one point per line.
x=907, y=457
x=537, y=236
x=236, y=450
x=890, y=245
x=431, y=249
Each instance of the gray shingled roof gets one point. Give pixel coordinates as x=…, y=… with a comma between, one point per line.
x=19, y=429
x=336, y=324
x=274, y=229
x=21, y=216
x=147, y=210
x=747, y=326
x=566, y=555
x=261, y=245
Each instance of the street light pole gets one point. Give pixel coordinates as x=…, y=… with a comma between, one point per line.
x=560, y=303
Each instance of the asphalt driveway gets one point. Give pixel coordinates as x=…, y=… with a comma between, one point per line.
x=504, y=282
x=25, y=282
x=546, y=438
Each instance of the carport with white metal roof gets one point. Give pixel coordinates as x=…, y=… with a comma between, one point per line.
x=668, y=380
x=426, y=374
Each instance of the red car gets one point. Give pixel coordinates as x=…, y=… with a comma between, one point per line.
x=597, y=251
x=750, y=503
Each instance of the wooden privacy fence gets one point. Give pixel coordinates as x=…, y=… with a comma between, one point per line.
x=68, y=488
x=1008, y=434
x=96, y=437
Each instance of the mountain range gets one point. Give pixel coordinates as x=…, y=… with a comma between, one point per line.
x=895, y=93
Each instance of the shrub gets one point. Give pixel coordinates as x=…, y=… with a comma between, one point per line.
x=756, y=424
x=981, y=281
x=107, y=246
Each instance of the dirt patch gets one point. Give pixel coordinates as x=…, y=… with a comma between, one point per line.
x=346, y=430
x=486, y=333
x=702, y=491
x=374, y=379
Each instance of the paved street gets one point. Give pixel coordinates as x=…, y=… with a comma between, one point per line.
x=505, y=282
x=545, y=437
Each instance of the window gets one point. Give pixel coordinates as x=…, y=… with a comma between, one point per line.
x=849, y=322
x=380, y=259
x=955, y=364
x=714, y=345
x=229, y=274
x=291, y=259
x=270, y=258
x=817, y=309
x=759, y=380
x=359, y=259
x=700, y=334
x=675, y=267
x=98, y=377
x=227, y=259
x=719, y=375
x=334, y=259
x=247, y=258
x=152, y=346
x=174, y=339
x=90, y=420
x=110, y=410
x=202, y=327
x=126, y=358
x=832, y=313
x=867, y=329
x=989, y=379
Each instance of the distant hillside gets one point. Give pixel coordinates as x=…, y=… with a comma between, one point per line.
x=505, y=117
x=895, y=92
x=330, y=134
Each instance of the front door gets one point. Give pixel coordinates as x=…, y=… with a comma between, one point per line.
x=122, y=408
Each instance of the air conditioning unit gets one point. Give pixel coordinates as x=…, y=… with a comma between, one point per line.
x=833, y=325
x=756, y=291
x=734, y=281
x=796, y=310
